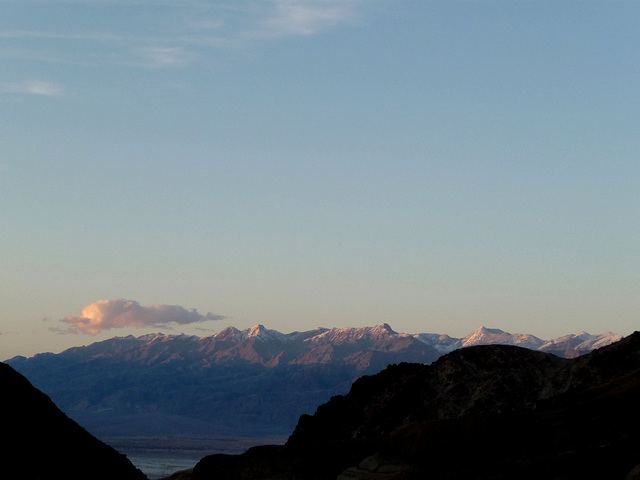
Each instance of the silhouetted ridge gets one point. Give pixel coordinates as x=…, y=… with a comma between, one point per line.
x=38, y=441
x=472, y=381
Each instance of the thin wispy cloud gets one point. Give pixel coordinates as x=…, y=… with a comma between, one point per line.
x=165, y=57
x=32, y=87
x=40, y=87
x=119, y=313
x=184, y=33
x=307, y=17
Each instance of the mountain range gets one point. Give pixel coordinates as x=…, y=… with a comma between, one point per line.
x=252, y=382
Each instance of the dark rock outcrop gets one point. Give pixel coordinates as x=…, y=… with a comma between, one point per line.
x=487, y=412
x=321, y=461
x=40, y=442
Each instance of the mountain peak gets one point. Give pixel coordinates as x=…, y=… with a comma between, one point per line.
x=152, y=337
x=383, y=328
x=229, y=333
x=338, y=336
x=256, y=330
x=494, y=331
x=261, y=332
x=489, y=336
x=576, y=344
x=483, y=335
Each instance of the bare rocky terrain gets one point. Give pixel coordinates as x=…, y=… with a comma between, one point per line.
x=484, y=412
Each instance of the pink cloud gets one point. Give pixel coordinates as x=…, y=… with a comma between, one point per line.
x=120, y=313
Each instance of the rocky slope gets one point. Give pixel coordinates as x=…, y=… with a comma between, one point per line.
x=490, y=412
x=262, y=380
x=38, y=441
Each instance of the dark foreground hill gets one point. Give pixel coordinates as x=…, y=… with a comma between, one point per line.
x=39, y=442
x=254, y=382
x=486, y=412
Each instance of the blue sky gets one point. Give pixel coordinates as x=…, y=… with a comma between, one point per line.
x=436, y=165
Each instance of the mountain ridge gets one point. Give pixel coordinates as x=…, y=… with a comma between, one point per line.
x=112, y=387
x=569, y=345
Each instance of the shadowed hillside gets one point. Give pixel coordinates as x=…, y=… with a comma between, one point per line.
x=39, y=442
x=485, y=412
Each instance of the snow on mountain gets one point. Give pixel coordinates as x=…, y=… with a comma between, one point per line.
x=482, y=336
x=603, y=340
x=228, y=334
x=577, y=344
x=340, y=336
x=261, y=333
x=441, y=342
x=361, y=346
x=313, y=343
x=491, y=336
x=264, y=334
x=355, y=346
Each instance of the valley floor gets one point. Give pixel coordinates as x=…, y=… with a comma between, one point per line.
x=159, y=457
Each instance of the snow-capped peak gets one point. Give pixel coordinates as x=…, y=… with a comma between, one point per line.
x=262, y=333
x=383, y=328
x=152, y=337
x=605, y=339
x=581, y=342
x=352, y=335
x=484, y=335
x=229, y=333
x=488, y=336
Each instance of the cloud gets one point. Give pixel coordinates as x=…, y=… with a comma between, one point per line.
x=119, y=313
x=307, y=17
x=171, y=35
x=63, y=331
x=165, y=57
x=32, y=87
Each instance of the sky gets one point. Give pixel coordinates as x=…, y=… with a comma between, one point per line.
x=186, y=165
